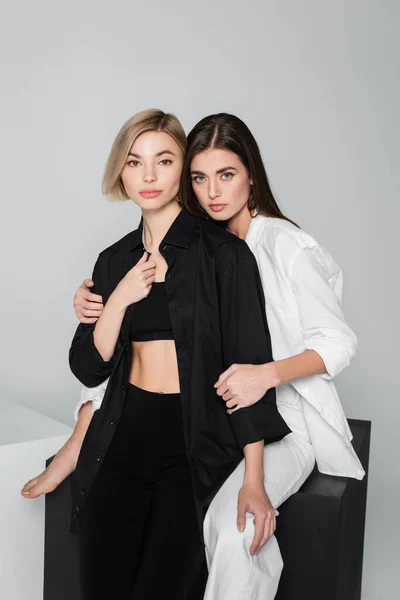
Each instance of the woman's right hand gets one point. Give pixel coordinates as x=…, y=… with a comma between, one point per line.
x=137, y=283
x=88, y=306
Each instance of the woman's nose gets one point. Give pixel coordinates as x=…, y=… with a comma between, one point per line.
x=213, y=192
x=149, y=176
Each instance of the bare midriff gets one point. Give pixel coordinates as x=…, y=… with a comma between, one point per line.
x=154, y=366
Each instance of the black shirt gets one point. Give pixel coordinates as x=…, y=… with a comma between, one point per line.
x=217, y=310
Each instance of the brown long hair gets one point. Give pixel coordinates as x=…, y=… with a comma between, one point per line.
x=227, y=132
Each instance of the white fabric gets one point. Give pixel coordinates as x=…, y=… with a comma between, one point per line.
x=233, y=573
x=303, y=293
x=94, y=395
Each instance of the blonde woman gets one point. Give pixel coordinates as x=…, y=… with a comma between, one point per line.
x=182, y=301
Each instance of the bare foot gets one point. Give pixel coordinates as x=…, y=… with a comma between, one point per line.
x=60, y=467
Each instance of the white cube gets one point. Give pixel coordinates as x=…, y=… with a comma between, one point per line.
x=27, y=439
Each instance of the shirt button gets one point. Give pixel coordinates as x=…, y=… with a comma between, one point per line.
x=123, y=386
x=75, y=516
x=112, y=423
x=98, y=458
x=77, y=508
x=82, y=492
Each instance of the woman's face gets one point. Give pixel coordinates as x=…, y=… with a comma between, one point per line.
x=221, y=183
x=153, y=170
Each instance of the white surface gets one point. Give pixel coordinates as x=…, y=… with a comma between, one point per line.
x=22, y=424
x=27, y=439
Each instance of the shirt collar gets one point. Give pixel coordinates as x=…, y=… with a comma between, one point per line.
x=257, y=224
x=179, y=234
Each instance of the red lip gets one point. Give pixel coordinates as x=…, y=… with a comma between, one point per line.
x=150, y=193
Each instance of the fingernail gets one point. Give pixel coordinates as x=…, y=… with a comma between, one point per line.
x=241, y=529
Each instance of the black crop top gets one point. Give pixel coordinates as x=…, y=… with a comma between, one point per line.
x=150, y=319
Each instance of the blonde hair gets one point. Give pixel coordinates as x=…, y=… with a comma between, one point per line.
x=147, y=120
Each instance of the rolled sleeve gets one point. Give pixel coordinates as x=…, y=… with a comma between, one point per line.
x=94, y=395
x=261, y=421
x=324, y=327
x=246, y=340
x=85, y=360
x=335, y=350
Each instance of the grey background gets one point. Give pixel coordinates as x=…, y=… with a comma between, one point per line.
x=316, y=81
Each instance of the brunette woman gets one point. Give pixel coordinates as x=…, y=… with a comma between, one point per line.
x=225, y=179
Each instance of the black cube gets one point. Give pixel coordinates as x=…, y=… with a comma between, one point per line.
x=320, y=531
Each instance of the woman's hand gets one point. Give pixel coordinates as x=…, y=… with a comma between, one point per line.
x=244, y=385
x=254, y=499
x=137, y=283
x=88, y=306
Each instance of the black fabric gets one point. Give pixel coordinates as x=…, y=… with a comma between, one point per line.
x=138, y=537
x=152, y=320
x=217, y=310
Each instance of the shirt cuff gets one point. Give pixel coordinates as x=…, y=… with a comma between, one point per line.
x=335, y=356
x=94, y=395
x=94, y=361
x=95, y=406
x=258, y=422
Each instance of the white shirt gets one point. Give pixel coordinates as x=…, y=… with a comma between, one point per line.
x=303, y=294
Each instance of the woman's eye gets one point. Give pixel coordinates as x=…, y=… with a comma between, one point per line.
x=166, y=161
x=198, y=178
x=133, y=163
x=227, y=175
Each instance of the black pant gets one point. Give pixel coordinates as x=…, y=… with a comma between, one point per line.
x=139, y=538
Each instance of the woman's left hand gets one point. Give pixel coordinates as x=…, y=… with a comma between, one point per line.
x=244, y=385
x=254, y=499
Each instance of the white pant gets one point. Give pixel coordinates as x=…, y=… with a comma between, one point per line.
x=233, y=573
